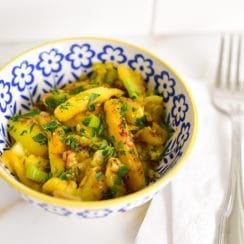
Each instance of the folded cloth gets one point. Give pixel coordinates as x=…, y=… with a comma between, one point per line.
x=186, y=210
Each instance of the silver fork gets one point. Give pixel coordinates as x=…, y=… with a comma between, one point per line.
x=228, y=97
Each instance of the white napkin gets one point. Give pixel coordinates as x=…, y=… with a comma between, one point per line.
x=186, y=211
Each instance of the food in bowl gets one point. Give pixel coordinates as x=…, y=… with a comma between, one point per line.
x=52, y=66
x=97, y=138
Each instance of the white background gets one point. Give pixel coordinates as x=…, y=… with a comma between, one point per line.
x=22, y=20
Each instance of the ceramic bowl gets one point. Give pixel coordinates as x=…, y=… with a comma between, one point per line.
x=25, y=78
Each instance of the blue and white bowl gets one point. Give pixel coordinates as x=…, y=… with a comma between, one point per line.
x=24, y=79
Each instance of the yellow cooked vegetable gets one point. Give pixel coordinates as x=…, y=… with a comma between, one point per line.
x=93, y=186
x=124, y=144
x=29, y=134
x=97, y=138
x=84, y=101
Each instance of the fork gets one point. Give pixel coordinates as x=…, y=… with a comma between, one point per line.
x=228, y=97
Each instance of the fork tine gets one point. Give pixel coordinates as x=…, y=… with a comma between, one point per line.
x=218, y=78
x=230, y=58
x=238, y=63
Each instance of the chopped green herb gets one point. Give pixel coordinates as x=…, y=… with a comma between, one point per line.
x=167, y=127
x=141, y=122
x=67, y=175
x=108, y=152
x=124, y=109
x=32, y=126
x=65, y=106
x=55, y=100
x=114, y=190
x=40, y=138
x=123, y=170
x=93, y=132
x=101, y=129
x=76, y=90
x=86, y=121
x=53, y=125
x=91, y=106
x=23, y=132
x=118, y=181
x=73, y=143
x=120, y=144
x=26, y=115
x=99, y=175
x=82, y=132
x=122, y=152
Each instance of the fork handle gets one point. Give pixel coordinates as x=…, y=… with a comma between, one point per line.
x=231, y=227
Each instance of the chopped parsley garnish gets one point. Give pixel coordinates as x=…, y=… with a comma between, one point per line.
x=124, y=109
x=141, y=122
x=26, y=115
x=91, y=106
x=76, y=90
x=123, y=170
x=40, y=138
x=108, y=152
x=53, y=125
x=23, y=132
x=73, y=143
x=86, y=121
x=167, y=127
x=120, y=144
x=65, y=106
x=99, y=175
x=53, y=101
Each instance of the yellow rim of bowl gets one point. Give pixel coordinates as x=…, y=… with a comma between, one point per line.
x=149, y=190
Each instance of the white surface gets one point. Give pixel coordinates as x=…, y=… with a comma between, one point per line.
x=35, y=20
x=186, y=211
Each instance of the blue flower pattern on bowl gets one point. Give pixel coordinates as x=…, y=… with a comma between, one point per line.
x=5, y=95
x=142, y=65
x=23, y=75
x=165, y=85
x=50, y=62
x=112, y=54
x=80, y=56
x=184, y=134
x=60, y=66
x=180, y=107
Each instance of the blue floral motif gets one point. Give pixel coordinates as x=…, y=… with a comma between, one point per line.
x=180, y=107
x=5, y=95
x=80, y=56
x=50, y=62
x=114, y=54
x=23, y=75
x=56, y=210
x=87, y=214
x=143, y=65
x=184, y=135
x=165, y=85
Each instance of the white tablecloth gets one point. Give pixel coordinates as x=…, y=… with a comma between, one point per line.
x=186, y=210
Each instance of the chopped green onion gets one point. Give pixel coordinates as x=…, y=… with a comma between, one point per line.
x=33, y=173
x=94, y=121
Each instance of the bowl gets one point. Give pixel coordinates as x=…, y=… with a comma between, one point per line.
x=29, y=75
